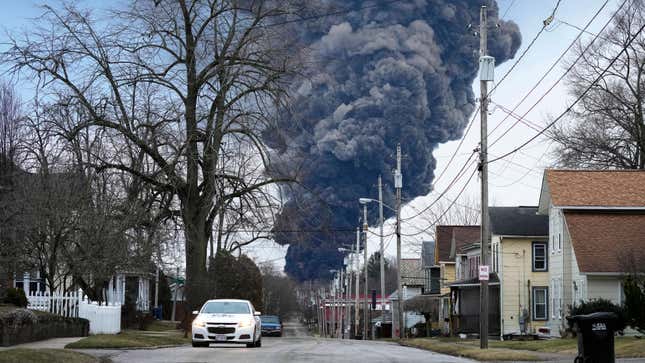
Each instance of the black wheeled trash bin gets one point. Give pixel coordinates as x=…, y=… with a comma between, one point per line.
x=595, y=337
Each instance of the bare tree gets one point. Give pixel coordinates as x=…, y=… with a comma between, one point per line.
x=606, y=129
x=172, y=79
x=11, y=250
x=463, y=211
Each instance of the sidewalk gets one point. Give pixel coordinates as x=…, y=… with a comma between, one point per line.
x=54, y=343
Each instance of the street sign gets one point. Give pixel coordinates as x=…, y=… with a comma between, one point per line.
x=483, y=272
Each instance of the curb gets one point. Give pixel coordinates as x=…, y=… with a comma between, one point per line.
x=132, y=348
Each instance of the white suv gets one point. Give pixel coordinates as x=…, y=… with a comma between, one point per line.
x=227, y=321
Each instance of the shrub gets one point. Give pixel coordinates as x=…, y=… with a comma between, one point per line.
x=16, y=297
x=601, y=305
x=635, y=302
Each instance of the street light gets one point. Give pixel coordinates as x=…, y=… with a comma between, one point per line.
x=365, y=201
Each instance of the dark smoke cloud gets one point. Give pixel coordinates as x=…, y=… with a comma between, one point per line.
x=400, y=72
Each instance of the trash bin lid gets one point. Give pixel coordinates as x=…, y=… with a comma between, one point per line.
x=594, y=316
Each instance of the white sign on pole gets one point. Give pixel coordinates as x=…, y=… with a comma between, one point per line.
x=483, y=272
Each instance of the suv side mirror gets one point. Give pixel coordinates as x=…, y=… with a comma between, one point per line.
x=257, y=313
x=195, y=312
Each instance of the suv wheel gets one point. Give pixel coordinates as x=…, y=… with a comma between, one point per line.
x=258, y=344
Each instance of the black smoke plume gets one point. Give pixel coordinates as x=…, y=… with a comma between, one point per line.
x=396, y=72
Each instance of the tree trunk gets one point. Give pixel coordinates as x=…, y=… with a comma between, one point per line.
x=196, y=234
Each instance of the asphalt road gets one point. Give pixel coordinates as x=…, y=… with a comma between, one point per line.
x=295, y=346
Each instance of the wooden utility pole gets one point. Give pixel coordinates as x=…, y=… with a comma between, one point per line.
x=380, y=215
x=483, y=165
x=398, y=184
x=358, y=273
x=365, y=322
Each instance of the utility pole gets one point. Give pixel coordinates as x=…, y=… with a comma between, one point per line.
x=339, y=333
x=487, y=67
x=332, y=290
x=380, y=215
x=348, y=307
x=398, y=184
x=324, y=312
x=365, y=324
x=358, y=269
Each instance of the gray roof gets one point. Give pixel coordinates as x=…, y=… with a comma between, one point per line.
x=518, y=221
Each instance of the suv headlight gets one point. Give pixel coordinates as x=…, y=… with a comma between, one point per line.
x=199, y=323
x=245, y=323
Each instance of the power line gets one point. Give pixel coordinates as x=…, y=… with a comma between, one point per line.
x=549, y=71
x=575, y=102
x=506, y=74
x=425, y=230
x=454, y=180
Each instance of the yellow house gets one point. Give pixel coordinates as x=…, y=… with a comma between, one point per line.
x=448, y=241
x=520, y=251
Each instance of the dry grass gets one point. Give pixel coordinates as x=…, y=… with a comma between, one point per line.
x=469, y=351
x=630, y=347
x=46, y=356
x=626, y=347
x=563, y=346
x=131, y=339
x=162, y=325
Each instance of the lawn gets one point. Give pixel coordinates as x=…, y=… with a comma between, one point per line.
x=563, y=346
x=470, y=350
x=131, y=339
x=46, y=356
x=162, y=325
x=626, y=347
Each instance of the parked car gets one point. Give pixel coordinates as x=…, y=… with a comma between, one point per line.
x=271, y=325
x=227, y=321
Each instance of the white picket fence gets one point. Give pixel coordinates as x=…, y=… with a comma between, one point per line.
x=104, y=319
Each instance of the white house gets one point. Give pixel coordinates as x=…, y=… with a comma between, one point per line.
x=596, y=220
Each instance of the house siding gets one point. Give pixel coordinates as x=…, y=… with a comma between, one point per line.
x=605, y=287
x=559, y=267
x=517, y=278
x=447, y=277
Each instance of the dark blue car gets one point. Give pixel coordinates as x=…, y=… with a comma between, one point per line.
x=271, y=325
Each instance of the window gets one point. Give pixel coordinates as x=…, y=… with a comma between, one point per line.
x=540, y=299
x=539, y=256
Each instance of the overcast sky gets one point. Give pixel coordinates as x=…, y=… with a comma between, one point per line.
x=513, y=181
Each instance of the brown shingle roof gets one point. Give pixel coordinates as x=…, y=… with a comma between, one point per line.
x=463, y=236
x=601, y=240
x=607, y=188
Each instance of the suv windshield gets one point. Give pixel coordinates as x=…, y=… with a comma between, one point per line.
x=270, y=319
x=226, y=307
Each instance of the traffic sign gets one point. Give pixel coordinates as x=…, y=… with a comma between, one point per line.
x=483, y=272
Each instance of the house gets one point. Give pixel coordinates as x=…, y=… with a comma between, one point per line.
x=519, y=245
x=125, y=286
x=431, y=272
x=448, y=240
x=412, y=281
x=465, y=293
x=596, y=221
